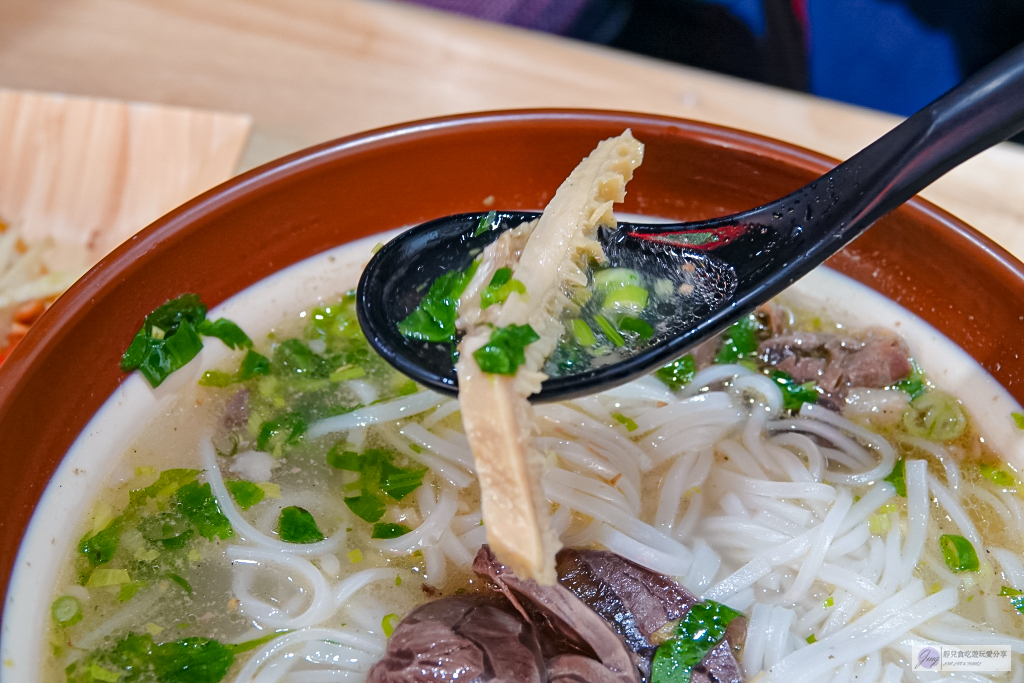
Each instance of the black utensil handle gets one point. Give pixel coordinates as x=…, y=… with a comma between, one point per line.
x=982, y=111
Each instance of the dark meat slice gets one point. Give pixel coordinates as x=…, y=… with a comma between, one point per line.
x=635, y=601
x=578, y=669
x=471, y=639
x=883, y=360
x=565, y=614
x=719, y=665
x=837, y=363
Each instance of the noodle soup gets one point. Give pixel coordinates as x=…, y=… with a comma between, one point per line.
x=781, y=513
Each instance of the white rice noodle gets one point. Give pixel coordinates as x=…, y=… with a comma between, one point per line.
x=892, y=673
x=956, y=513
x=886, y=623
x=646, y=388
x=688, y=471
x=208, y=458
x=945, y=458
x=777, y=637
x=644, y=555
x=603, y=437
x=443, y=448
x=135, y=611
x=775, y=489
x=703, y=568
x=868, y=505
x=826, y=533
x=955, y=629
x=280, y=650
x=596, y=488
x=321, y=599
x=366, y=392
x=1013, y=569
x=351, y=585
x=436, y=566
x=614, y=517
x=757, y=631
x=809, y=449
x=763, y=386
x=440, y=466
x=444, y=410
x=397, y=409
x=434, y=524
x=712, y=374
x=918, y=512
x=580, y=456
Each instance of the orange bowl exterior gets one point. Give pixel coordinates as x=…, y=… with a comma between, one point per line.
x=290, y=209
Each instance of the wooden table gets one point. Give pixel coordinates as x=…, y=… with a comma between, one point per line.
x=312, y=70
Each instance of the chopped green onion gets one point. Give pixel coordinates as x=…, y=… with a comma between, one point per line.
x=433, y=320
x=898, y=478
x=677, y=374
x=879, y=524
x=66, y=610
x=609, y=330
x=180, y=580
x=102, y=577
x=505, y=351
x=739, y=340
x=640, y=327
x=935, y=415
x=794, y=395
x=388, y=624
x=582, y=332
x=958, y=553
x=1018, y=419
x=828, y=602
x=625, y=421
x=1016, y=597
x=625, y=300
x=811, y=639
x=347, y=372
x=245, y=493
x=500, y=287
x=275, y=434
x=225, y=330
x=616, y=278
x=996, y=475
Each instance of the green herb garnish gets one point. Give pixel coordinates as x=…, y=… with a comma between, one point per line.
x=625, y=421
x=677, y=374
x=638, y=326
x=505, y=351
x=136, y=658
x=898, y=477
x=245, y=493
x=66, y=610
x=1016, y=597
x=198, y=504
x=433, y=320
x=485, y=223
x=958, y=553
x=382, y=530
x=609, y=330
x=739, y=340
x=378, y=477
x=1018, y=419
x=697, y=633
x=935, y=415
x=169, y=338
x=284, y=430
x=296, y=525
x=794, y=395
x=582, y=333
x=996, y=475
x=367, y=506
x=500, y=287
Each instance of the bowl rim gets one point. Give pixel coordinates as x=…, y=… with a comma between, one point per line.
x=18, y=370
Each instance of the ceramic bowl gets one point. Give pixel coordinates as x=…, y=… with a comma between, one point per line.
x=246, y=229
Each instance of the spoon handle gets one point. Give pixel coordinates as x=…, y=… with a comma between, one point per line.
x=982, y=111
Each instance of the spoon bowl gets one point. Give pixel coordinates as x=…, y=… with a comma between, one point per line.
x=729, y=265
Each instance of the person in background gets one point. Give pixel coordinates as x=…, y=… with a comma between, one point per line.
x=892, y=55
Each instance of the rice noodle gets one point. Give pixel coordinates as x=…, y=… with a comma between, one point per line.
x=405, y=406
x=262, y=657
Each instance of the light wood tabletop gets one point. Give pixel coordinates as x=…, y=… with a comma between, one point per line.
x=307, y=71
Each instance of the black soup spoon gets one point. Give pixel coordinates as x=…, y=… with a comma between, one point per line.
x=731, y=264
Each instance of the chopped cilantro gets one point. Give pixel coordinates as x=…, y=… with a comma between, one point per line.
x=198, y=504
x=180, y=580
x=433, y=320
x=794, y=395
x=398, y=482
x=504, y=352
x=625, y=421
x=696, y=634
x=99, y=548
x=677, y=374
x=378, y=476
x=485, y=223
x=1016, y=597
x=136, y=658
x=898, y=477
x=739, y=340
x=500, y=287
x=245, y=493
x=275, y=434
x=382, y=530
x=958, y=553
x=296, y=525
x=169, y=338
